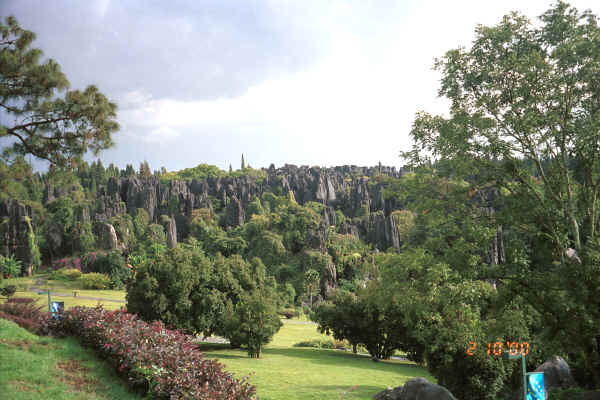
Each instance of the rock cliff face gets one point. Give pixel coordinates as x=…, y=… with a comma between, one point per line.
x=15, y=230
x=345, y=188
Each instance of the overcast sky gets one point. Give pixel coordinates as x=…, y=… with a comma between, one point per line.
x=302, y=82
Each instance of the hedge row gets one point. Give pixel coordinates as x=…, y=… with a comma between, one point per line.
x=165, y=363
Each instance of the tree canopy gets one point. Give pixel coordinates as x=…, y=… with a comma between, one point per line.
x=523, y=133
x=57, y=129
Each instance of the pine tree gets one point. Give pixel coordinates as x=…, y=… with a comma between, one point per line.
x=57, y=129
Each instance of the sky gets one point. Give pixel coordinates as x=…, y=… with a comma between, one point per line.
x=306, y=82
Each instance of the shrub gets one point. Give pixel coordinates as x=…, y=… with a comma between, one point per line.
x=8, y=290
x=87, y=260
x=9, y=266
x=317, y=344
x=65, y=274
x=94, y=280
x=289, y=313
x=113, y=265
x=21, y=300
x=25, y=314
x=163, y=362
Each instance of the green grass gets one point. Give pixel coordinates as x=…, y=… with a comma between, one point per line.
x=33, y=368
x=284, y=372
x=65, y=287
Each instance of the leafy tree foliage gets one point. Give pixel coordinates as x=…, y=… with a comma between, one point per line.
x=185, y=289
x=311, y=280
x=365, y=318
x=254, y=319
x=524, y=120
x=59, y=130
x=9, y=266
x=113, y=265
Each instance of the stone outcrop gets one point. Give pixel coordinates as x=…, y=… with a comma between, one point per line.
x=346, y=188
x=557, y=374
x=15, y=231
x=416, y=389
x=380, y=230
x=106, y=236
x=171, y=234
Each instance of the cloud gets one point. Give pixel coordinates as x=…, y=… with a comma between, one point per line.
x=184, y=50
x=312, y=82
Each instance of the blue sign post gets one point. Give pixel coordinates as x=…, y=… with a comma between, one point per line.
x=533, y=382
x=57, y=308
x=535, y=386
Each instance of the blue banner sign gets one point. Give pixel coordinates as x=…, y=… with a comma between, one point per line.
x=57, y=307
x=535, y=386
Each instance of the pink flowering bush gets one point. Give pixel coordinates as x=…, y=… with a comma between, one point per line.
x=87, y=260
x=164, y=363
x=67, y=263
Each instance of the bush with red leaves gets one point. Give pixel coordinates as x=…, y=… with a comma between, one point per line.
x=165, y=363
x=25, y=314
x=21, y=300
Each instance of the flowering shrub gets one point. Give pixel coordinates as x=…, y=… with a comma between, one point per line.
x=164, y=362
x=25, y=314
x=87, y=260
x=22, y=300
x=67, y=263
x=113, y=265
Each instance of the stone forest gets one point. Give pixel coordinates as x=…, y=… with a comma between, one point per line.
x=471, y=272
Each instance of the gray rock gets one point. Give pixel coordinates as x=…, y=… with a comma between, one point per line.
x=107, y=236
x=172, y=233
x=380, y=230
x=15, y=229
x=416, y=389
x=557, y=374
x=234, y=214
x=389, y=394
x=55, y=237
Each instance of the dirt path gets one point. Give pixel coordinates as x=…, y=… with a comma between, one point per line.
x=41, y=281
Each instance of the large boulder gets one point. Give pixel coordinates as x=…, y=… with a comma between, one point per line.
x=416, y=389
x=557, y=374
x=107, y=236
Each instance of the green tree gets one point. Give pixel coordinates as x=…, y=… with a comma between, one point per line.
x=252, y=319
x=163, y=289
x=9, y=266
x=367, y=318
x=59, y=130
x=524, y=116
x=255, y=320
x=311, y=280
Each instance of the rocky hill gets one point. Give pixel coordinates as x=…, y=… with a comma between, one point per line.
x=349, y=189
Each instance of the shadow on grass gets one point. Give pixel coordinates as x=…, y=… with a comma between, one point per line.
x=318, y=356
x=336, y=357
x=347, y=392
x=213, y=346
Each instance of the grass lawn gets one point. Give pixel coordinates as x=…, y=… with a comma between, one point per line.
x=64, y=287
x=285, y=372
x=33, y=367
x=282, y=372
